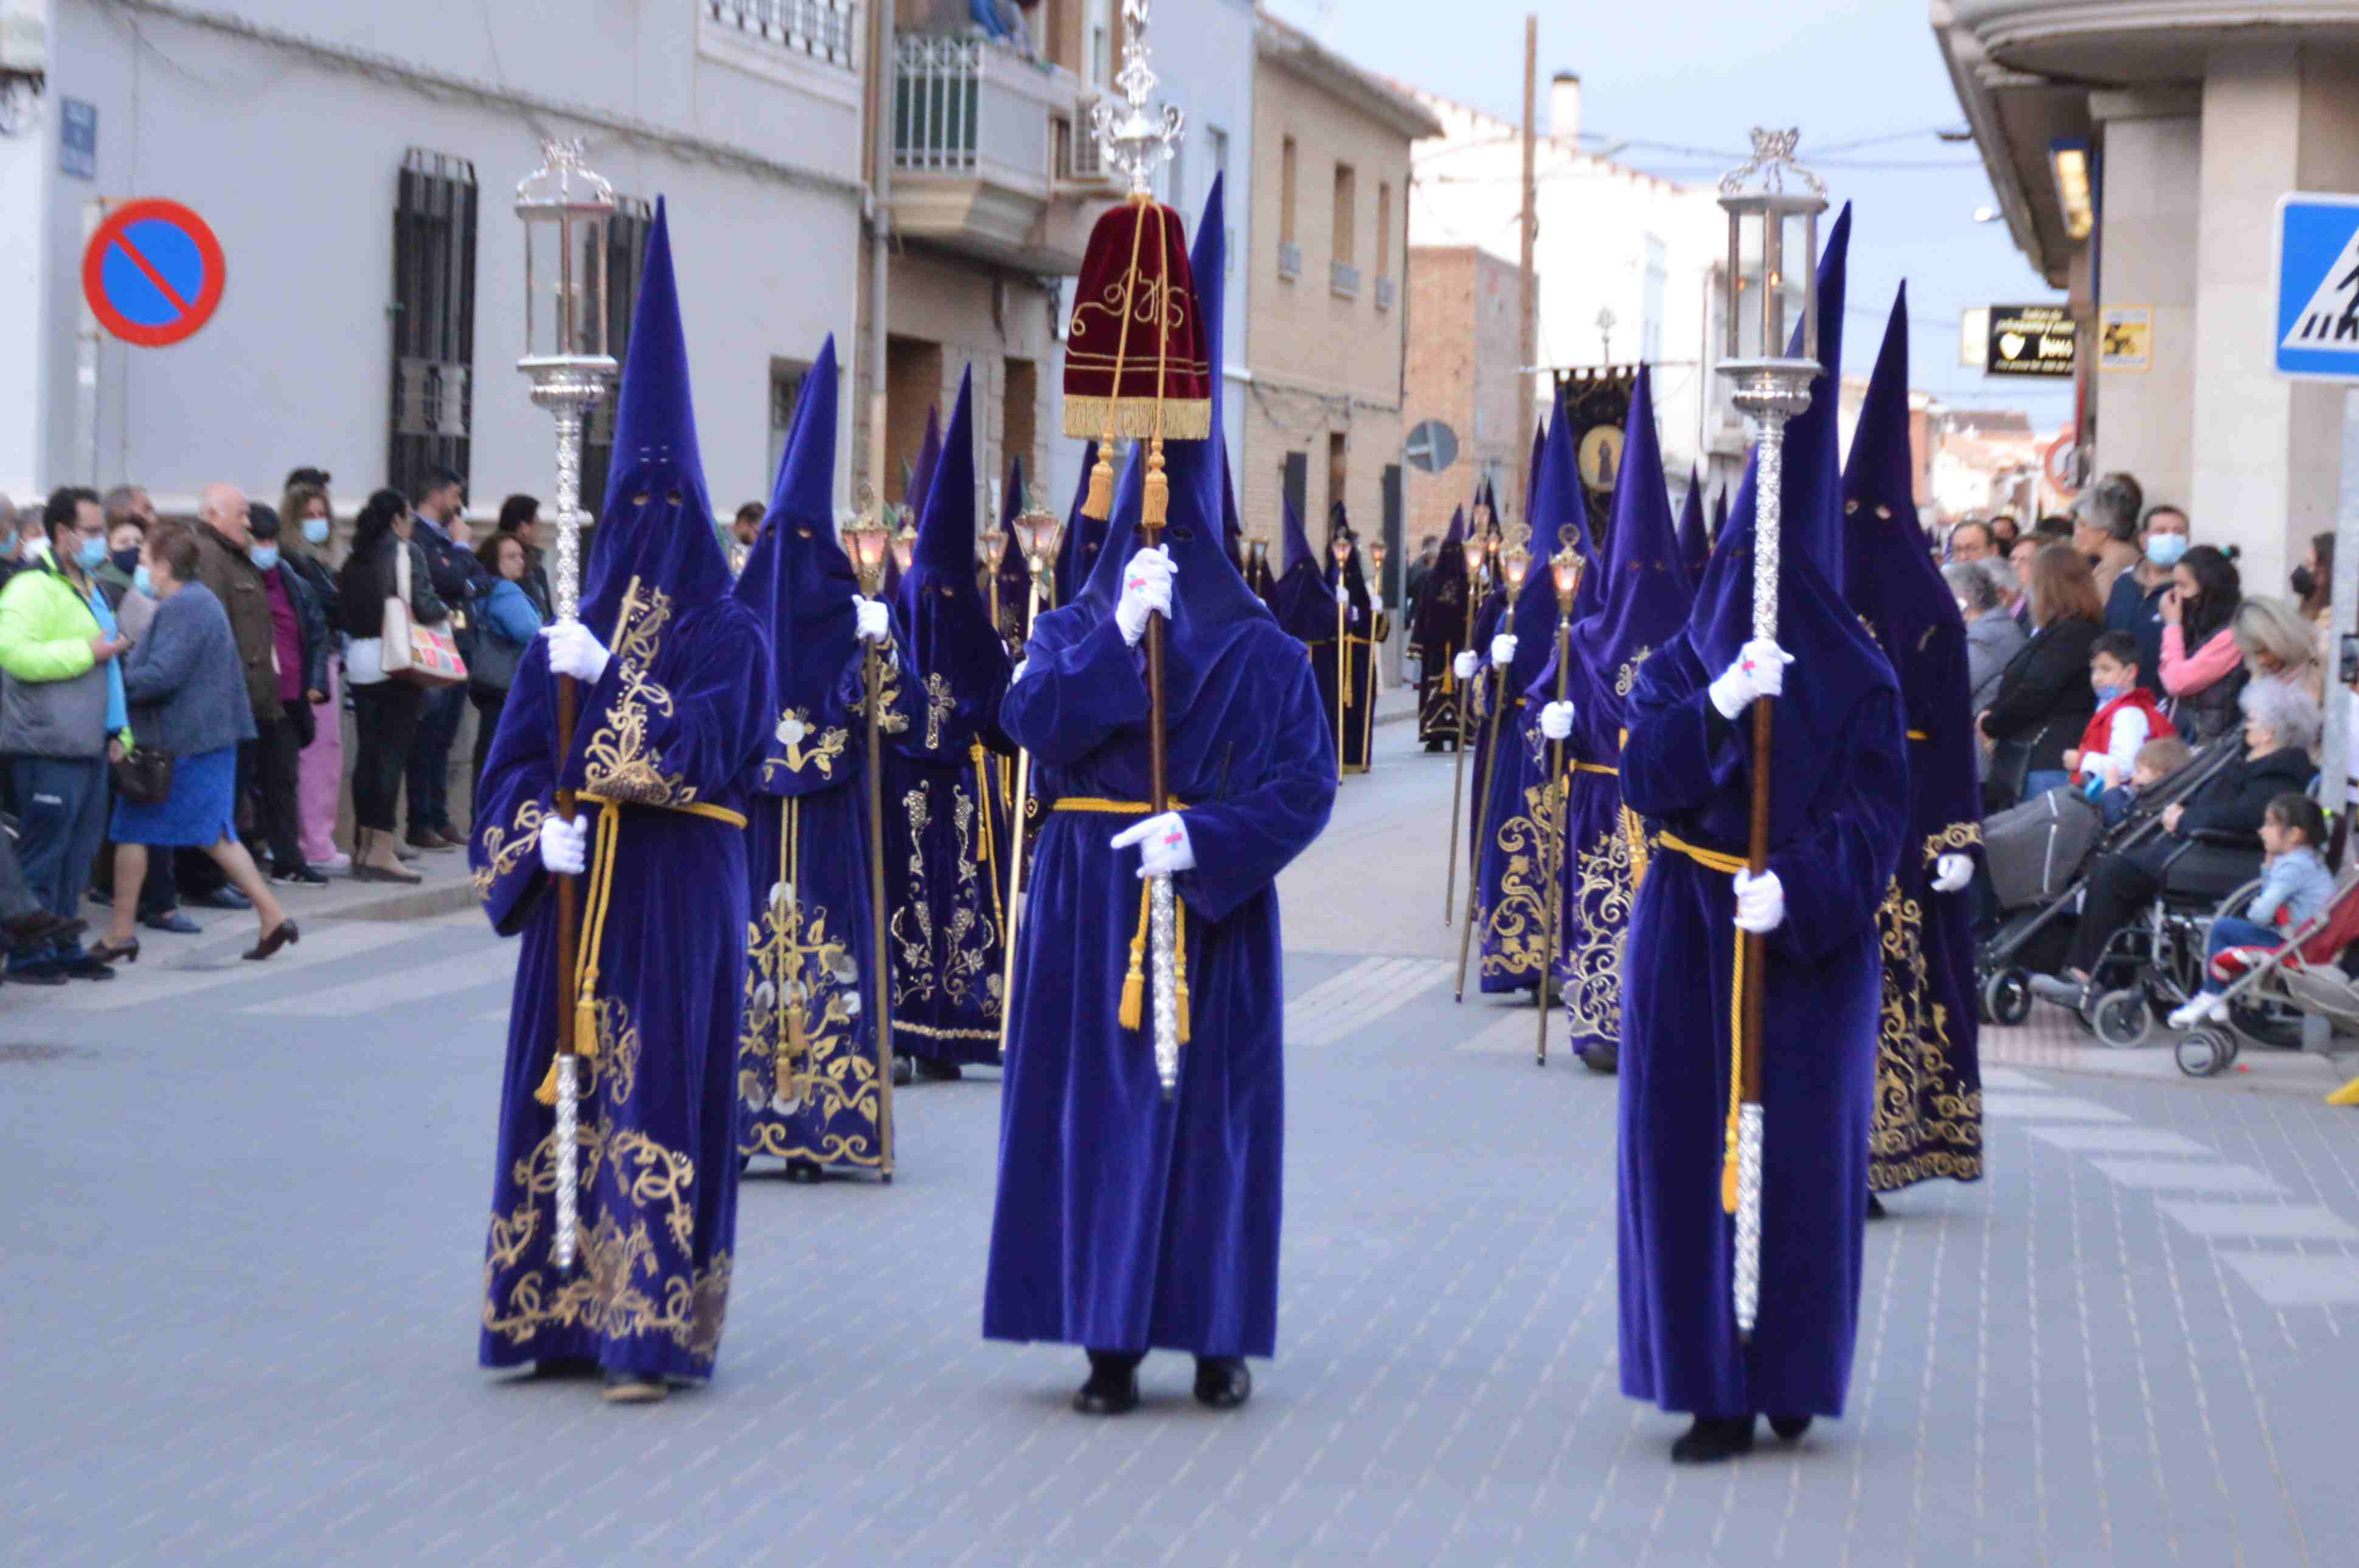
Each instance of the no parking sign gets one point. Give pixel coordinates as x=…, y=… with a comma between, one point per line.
x=153, y=273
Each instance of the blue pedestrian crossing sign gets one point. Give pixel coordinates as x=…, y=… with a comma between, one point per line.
x=2318, y=287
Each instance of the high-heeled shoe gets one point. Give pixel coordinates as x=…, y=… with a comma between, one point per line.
x=283, y=934
x=126, y=951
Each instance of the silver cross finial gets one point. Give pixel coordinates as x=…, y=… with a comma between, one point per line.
x=1133, y=140
x=1773, y=161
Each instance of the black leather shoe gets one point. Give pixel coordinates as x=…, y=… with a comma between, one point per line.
x=89, y=968
x=905, y=1070
x=1714, y=1439
x=1113, y=1388
x=1223, y=1382
x=934, y=1071
x=1789, y=1429
x=806, y=1171
x=38, y=975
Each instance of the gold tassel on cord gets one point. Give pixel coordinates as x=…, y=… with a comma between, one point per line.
x=594, y=929
x=1180, y=968
x=1133, y=985
x=1155, y=505
x=1099, y=504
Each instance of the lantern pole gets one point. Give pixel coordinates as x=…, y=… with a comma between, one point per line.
x=1772, y=391
x=1514, y=562
x=1473, y=552
x=1567, y=569
x=869, y=536
x=569, y=373
x=1342, y=551
x=1037, y=533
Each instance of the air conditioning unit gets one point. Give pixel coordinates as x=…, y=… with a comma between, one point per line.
x=1289, y=259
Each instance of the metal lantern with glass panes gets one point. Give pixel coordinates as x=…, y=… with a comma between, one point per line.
x=566, y=208
x=1773, y=205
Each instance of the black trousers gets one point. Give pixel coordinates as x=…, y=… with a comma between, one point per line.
x=429, y=760
x=384, y=718
x=277, y=766
x=488, y=707
x=2123, y=884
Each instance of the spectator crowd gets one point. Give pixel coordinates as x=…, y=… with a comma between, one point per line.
x=174, y=695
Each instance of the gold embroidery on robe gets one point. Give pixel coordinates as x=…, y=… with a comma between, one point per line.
x=939, y=701
x=622, y=766
x=794, y=728
x=1515, y=931
x=1956, y=839
x=794, y=966
x=959, y=967
x=1925, y=1125
x=1597, y=919
x=503, y=854
x=913, y=923
x=639, y=1232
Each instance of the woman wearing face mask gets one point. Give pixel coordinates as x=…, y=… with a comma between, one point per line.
x=2202, y=667
x=1992, y=636
x=319, y=772
x=2135, y=603
x=384, y=711
x=299, y=647
x=123, y=537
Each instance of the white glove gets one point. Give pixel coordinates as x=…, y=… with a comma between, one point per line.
x=1951, y=873
x=1163, y=845
x=1556, y=720
x=573, y=651
x=1760, y=902
x=876, y=623
x=565, y=847
x=1503, y=650
x=1466, y=664
x=1021, y=666
x=1343, y=596
x=1146, y=590
x=1760, y=671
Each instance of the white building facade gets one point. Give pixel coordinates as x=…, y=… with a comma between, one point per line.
x=1628, y=266
x=358, y=163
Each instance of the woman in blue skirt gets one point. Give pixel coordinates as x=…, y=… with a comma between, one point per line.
x=186, y=688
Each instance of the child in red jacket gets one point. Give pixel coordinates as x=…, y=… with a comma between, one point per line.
x=2126, y=718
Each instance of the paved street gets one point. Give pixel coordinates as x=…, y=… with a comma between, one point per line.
x=242, y=1251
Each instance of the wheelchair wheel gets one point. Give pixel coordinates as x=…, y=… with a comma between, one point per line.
x=2006, y=996
x=2206, y=1053
x=2124, y=1018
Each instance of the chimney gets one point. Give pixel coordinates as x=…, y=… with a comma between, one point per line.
x=1564, y=106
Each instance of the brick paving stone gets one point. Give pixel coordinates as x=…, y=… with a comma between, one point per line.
x=245, y=1263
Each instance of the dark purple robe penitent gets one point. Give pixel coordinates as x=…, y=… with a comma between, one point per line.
x=1839, y=810
x=666, y=741
x=1122, y=1222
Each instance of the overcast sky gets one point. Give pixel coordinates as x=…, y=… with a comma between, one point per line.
x=1697, y=74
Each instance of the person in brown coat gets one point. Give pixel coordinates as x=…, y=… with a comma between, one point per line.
x=224, y=535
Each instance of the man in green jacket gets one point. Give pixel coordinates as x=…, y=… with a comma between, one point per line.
x=60, y=700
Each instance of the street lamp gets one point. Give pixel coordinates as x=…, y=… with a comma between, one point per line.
x=1772, y=388
x=565, y=208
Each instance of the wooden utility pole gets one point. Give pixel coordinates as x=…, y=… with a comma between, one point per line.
x=1527, y=323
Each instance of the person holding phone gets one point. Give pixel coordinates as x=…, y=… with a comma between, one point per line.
x=2202, y=667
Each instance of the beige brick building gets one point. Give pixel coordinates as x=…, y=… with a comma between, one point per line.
x=1462, y=371
x=1327, y=326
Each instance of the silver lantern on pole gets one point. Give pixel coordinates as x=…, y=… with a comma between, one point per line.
x=566, y=209
x=1773, y=205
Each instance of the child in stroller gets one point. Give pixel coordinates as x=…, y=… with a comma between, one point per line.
x=2295, y=888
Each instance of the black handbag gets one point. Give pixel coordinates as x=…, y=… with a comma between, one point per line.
x=143, y=776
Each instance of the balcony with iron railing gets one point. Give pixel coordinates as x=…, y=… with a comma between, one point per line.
x=825, y=30
x=991, y=153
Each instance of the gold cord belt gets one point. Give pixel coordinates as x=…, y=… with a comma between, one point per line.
x=1134, y=983
x=981, y=756
x=1727, y=865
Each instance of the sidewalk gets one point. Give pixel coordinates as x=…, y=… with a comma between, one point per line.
x=448, y=889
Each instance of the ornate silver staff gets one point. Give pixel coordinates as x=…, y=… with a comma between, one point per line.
x=1137, y=142
x=565, y=209
x=1783, y=228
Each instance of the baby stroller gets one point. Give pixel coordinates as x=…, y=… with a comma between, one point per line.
x=2038, y=856
x=2301, y=979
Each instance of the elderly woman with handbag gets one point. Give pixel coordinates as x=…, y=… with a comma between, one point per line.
x=385, y=578
x=176, y=784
